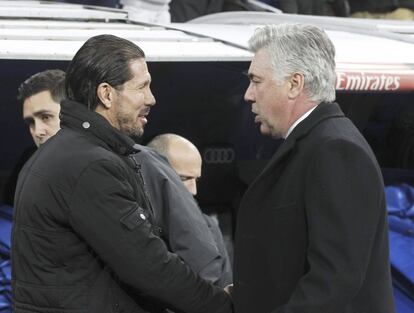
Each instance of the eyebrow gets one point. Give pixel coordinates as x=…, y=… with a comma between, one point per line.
x=251, y=76
x=146, y=82
x=185, y=177
x=29, y=119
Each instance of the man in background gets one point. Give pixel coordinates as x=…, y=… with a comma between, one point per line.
x=194, y=236
x=40, y=96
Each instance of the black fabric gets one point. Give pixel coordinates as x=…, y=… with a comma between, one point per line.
x=185, y=10
x=400, y=141
x=315, y=7
x=311, y=233
x=374, y=6
x=409, y=4
x=82, y=240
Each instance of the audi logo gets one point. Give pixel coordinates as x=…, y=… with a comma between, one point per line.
x=219, y=155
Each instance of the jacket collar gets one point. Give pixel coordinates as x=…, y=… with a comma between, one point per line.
x=322, y=112
x=77, y=117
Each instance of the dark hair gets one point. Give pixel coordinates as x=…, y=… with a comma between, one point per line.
x=50, y=80
x=102, y=58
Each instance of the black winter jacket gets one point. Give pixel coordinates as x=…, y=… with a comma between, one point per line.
x=82, y=240
x=379, y=6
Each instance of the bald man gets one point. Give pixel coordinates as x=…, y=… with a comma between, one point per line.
x=183, y=156
x=189, y=233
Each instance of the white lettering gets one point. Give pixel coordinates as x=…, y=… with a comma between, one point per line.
x=340, y=79
x=397, y=82
x=376, y=84
x=360, y=81
x=354, y=82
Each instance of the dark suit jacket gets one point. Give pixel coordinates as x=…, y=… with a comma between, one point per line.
x=312, y=232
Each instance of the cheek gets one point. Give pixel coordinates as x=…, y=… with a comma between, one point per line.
x=54, y=126
x=57, y=122
x=138, y=100
x=32, y=129
x=188, y=185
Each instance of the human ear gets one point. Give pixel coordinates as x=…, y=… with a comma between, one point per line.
x=104, y=93
x=296, y=84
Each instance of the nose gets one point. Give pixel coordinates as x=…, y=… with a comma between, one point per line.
x=248, y=95
x=191, y=185
x=150, y=98
x=38, y=132
x=38, y=129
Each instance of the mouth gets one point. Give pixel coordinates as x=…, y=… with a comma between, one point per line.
x=142, y=116
x=256, y=117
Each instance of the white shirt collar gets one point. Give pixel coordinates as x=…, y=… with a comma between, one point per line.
x=300, y=119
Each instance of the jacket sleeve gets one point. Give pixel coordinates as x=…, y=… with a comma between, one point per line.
x=226, y=276
x=188, y=233
x=184, y=228
x=105, y=213
x=344, y=201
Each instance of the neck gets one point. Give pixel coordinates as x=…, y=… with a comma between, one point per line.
x=300, y=107
x=107, y=114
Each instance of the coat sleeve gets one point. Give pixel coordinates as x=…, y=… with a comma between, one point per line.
x=184, y=228
x=344, y=202
x=188, y=233
x=105, y=213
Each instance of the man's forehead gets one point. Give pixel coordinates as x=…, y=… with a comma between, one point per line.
x=190, y=171
x=260, y=63
x=41, y=101
x=139, y=70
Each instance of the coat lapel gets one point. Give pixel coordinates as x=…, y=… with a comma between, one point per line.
x=322, y=112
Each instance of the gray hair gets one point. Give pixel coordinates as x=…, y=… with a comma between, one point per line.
x=300, y=48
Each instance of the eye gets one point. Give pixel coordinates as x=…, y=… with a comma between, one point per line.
x=143, y=86
x=185, y=178
x=254, y=80
x=46, y=117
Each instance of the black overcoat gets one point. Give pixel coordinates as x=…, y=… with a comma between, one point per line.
x=312, y=233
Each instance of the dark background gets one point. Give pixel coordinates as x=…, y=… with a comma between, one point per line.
x=203, y=101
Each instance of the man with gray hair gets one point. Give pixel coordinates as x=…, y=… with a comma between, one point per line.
x=311, y=235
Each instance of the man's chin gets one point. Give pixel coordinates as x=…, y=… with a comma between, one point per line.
x=136, y=134
x=264, y=130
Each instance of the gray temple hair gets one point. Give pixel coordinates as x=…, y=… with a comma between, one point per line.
x=300, y=48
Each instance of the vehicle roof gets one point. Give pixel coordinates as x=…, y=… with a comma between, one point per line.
x=371, y=54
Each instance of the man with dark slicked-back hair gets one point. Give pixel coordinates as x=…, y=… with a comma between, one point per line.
x=83, y=238
x=40, y=96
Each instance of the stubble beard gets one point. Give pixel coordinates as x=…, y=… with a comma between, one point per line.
x=129, y=126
